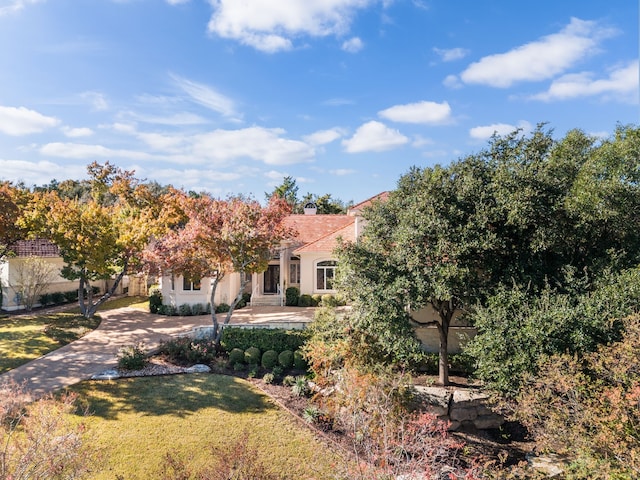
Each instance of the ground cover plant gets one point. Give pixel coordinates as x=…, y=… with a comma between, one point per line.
x=188, y=416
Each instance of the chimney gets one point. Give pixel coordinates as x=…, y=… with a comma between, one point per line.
x=310, y=208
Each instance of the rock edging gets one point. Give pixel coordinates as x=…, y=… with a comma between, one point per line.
x=464, y=409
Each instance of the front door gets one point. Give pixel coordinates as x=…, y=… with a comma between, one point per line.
x=272, y=279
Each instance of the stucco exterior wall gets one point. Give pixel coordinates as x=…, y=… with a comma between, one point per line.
x=308, y=262
x=9, y=273
x=458, y=337
x=226, y=290
x=429, y=314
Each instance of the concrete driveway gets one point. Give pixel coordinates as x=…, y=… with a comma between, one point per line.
x=96, y=351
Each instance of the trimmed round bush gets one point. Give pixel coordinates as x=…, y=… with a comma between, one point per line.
x=252, y=356
x=285, y=359
x=329, y=300
x=299, y=362
x=316, y=298
x=236, y=356
x=269, y=359
x=292, y=295
x=222, y=308
x=185, y=310
x=304, y=300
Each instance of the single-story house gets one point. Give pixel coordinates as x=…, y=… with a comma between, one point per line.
x=14, y=267
x=306, y=262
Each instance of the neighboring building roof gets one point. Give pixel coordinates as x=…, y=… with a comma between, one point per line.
x=357, y=209
x=311, y=228
x=38, y=248
x=329, y=242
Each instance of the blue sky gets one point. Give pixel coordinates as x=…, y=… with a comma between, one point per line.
x=345, y=96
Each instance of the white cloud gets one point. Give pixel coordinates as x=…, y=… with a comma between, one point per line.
x=430, y=113
x=12, y=6
x=622, y=83
x=87, y=151
x=77, y=132
x=338, y=102
x=374, y=137
x=97, y=100
x=258, y=143
x=22, y=121
x=176, y=119
x=452, y=81
x=420, y=141
x=353, y=45
x=487, y=131
x=342, y=171
x=270, y=26
x=207, y=97
x=323, y=137
x=451, y=54
x=275, y=175
x=538, y=60
x=39, y=173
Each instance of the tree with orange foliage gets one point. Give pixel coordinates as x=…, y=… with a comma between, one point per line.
x=101, y=237
x=219, y=237
x=12, y=201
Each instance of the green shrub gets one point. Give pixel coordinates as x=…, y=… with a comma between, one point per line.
x=71, y=296
x=285, y=359
x=188, y=351
x=222, y=308
x=311, y=414
x=268, y=378
x=185, y=310
x=45, y=299
x=304, y=300
x=289, y=381
x=197, y=309
x=252, y=356
x=253, y=371
x=238, y=367
x=172, y=310
x=57, y=298
x=132, y=357
x=329, y=300
x=269, y=359
x=299, y=362
x=236, y=356
x=155, y=299
x=277, y=370
x=292, y=295
x=316, y=298
x=208, y=309
x=265, y=339
x=301, y=387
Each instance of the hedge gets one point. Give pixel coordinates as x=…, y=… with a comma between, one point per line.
x=265, y=339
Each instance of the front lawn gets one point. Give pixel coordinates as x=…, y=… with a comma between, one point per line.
x=26, y=337
x=136, y=422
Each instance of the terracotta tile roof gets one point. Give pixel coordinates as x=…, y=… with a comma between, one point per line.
x=38, y=247
x=313, y=227
x=329, y=242
x=356, y=209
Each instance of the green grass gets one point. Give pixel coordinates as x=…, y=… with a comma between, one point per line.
x=27, y=337
x=135, y=422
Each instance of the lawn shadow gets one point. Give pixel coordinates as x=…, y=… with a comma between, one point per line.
x=176, y=395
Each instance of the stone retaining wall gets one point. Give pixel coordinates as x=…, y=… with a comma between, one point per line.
x=465, y=409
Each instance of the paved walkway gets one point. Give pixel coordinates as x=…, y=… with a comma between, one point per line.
x=96, y=351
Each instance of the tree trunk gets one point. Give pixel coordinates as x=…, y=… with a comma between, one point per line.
x=445, y=311
x=89, y=309
x=232, y=307
x=214, y=317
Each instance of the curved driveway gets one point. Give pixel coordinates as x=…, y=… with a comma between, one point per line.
x=96, y=351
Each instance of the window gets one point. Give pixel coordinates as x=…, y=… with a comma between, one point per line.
x=173, y=282
x=325, y=273
x=294, y=273
x=190, y=283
